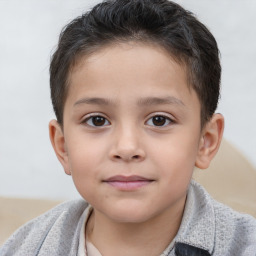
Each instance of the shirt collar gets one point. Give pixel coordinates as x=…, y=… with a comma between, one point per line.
x=82, y=242
x=197, y=228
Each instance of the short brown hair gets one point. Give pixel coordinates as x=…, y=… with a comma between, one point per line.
x=158, y=21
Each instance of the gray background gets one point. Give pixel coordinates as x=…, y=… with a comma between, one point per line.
x=29, y=31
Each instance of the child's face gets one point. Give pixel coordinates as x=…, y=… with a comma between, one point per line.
x=131, y=132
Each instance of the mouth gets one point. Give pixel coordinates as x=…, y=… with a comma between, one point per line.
x=128, y=183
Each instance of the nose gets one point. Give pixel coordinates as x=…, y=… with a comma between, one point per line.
x=127, y=146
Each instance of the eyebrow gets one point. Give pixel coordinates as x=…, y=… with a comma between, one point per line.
x=93, y=101
x=169, y=100
x=148, y=101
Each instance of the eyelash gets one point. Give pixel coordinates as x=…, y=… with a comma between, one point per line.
x=89, y=120
x=164, y=118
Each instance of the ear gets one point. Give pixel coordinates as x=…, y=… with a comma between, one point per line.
x=58, y=143
x=210, y=141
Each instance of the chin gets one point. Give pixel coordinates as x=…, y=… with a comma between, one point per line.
x=129, y=215
x=130, y=219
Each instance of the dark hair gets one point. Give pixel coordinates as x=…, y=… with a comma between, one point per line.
x=149, y=21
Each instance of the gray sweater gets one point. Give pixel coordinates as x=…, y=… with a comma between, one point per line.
x=207, y=228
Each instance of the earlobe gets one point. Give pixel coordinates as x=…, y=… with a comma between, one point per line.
x=58, y=144
x=210, y=141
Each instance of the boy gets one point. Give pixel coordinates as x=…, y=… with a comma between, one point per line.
x=134, y=86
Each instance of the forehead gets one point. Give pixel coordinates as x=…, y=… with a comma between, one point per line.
x=130, y=69
x=147, y=55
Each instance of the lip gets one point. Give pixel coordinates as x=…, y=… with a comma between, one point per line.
x=128, y=183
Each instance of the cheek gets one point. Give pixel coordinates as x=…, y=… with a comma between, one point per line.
x=84, y=173
x=85, y=158
x=85, y=152
x=175, y=157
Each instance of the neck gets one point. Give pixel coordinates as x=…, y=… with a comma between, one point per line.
x=148, y=238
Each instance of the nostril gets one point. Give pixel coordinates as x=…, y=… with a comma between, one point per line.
x=135, y=157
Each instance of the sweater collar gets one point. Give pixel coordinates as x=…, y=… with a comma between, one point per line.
x=197, y=228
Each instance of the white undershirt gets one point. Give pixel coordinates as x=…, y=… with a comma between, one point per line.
x=86, y=248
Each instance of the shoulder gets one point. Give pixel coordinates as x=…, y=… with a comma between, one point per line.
x=235, y=233
x=60, y=224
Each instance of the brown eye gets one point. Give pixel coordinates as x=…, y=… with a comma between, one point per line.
x=97, y=121
x=159, y=121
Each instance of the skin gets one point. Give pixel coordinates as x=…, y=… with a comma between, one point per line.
x=128, y=85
